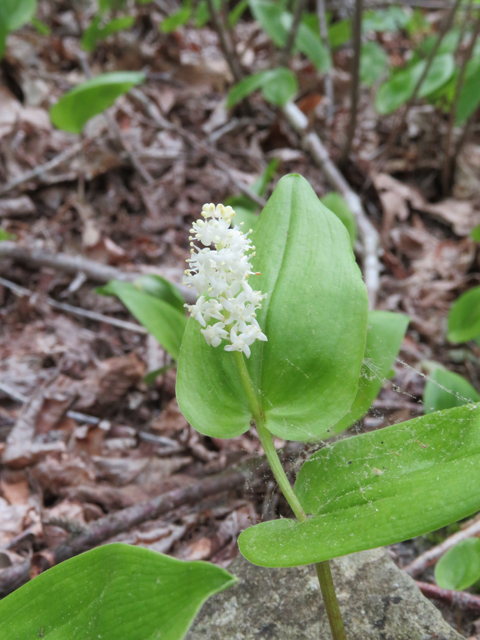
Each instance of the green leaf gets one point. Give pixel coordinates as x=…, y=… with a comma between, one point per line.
x=459, y=568
x=373, y=61
x=376, y=489
x=42, y=28
x=161, y=319
x=278, y=86
x=314, y=317
x=162, y=289
x=177, y=19
x=4, y=235
x=95, y=32
x=384, y=338
x=76, y=107
x=339, y=33
x=261, y=183
x=469, y=98
x=15, y=13
x=115, y=591
x=153, y=375
x=237, y=12
x=277, y=23
x=340, y=208
x=445, y=389
x=391, y=19
x=399, y=89
x=475, y=233
x=464, y=317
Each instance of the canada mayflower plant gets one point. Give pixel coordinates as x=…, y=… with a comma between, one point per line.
x=220, y=277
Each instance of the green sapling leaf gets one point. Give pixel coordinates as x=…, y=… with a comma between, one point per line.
x=115, y=591
x=459, y=568
x=464, y=317
x=376, y=489
x=75, y=108
x=445, y=390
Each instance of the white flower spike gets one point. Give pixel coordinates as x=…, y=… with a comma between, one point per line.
x=219, y=276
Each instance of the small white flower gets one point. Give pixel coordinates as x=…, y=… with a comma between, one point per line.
x=219, y=276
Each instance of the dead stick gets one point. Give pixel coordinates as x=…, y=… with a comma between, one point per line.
x=322, y=22
x=222, y=36
x=369, y=236
x=432, y=556
x=42, y=168
x=448, y=159
x=355, y=80
x=292, y=34
x=460, y=599
x=78, y=264
x=124, y=520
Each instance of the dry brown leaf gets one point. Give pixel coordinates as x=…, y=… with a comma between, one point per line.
x=142, y=471
x=53, y=474
x=170, y=421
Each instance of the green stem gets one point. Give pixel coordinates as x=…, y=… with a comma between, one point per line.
x=330, y=600
x=323, y=568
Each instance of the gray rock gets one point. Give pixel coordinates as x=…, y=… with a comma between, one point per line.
x=378, y=602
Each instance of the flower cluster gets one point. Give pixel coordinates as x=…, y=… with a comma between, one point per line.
x=220, y=277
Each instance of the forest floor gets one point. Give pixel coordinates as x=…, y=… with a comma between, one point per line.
x=132, y=444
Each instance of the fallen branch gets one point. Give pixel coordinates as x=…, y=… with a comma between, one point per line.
x=369, y=236
x=125, y=519
x=77, y=264
x=83, y=313
x=42, y=168
x=460, y=599
x=354, y=80
x=432, y=556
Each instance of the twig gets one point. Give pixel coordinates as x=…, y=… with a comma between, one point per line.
x=222, y=36
x=292, y=34
x=125, y=519
x=460, y=599
x=77, y=264
x=322, y=22
x=369, y=236
x=84, y=313
x=449, y=160
x=397, y=128
x=43, y=168
x=432, y=556
x=198, y=145
x=354, y=80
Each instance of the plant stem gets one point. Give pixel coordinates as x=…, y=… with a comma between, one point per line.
x=323, y=568
x=330, y=600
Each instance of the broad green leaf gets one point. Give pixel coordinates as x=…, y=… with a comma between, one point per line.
x=384, y=338
x=314, y=317
x=475, y=233
x=76, y=107
x=95, y=32
x=161, y=319
x=376, y=489
x=449, y=43
x=445, y=389
x=399, y=89
x=15, y=13
x=459, y=568
x=42, y=28
x=177, y=19
x=373, y=61
x=277, y=23
x=245, y=87
x=202, y=13
x=418, y=24
x=115, y=591
x=340, y=208
x=113, y=5
x=237, y=12
x=339, y=33
x=278, y=86
x=391, y=19
x=464, y=317
x=162, y=289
